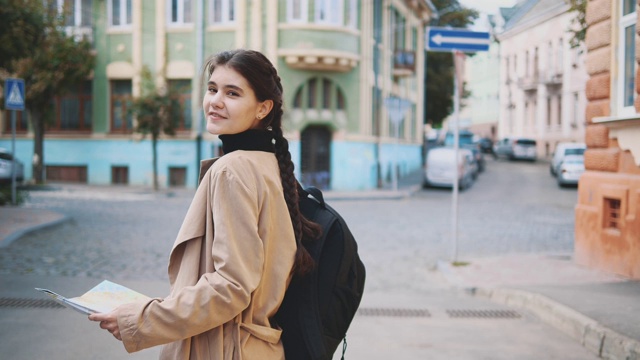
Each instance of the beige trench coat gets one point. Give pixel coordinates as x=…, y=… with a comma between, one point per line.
x=229, y=268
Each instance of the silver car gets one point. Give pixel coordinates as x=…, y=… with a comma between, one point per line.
x=6, y=167
x=570, y=169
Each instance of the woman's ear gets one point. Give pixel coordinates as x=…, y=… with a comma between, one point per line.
x=264, y=108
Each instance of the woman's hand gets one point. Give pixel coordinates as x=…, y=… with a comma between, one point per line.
x=109, y=322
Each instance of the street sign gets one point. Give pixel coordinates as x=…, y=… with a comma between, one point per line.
x=453, y=39
x=396, y=107
x=14, y=94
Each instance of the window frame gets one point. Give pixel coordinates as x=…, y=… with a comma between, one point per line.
x=183, y=98
x=123, y=16
x=624, y=22
x=225, y=19
x=83, y=98
x=335, y=16
x=304, y=11
x=125, y=101
x=180, y=16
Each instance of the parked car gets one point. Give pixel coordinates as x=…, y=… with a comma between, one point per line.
x=570, y=169
x=440, y=167
x=486, y=145
x=516, y=149
x=565, y=149
x=468, y=140
x=6, y=167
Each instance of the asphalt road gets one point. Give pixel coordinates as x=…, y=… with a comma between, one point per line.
x=125, y=235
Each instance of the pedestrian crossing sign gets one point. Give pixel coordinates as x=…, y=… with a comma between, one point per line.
x=14, y=94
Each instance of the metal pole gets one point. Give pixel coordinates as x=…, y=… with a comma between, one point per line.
x=13, y=154
x=456, y=145
x=198, y=100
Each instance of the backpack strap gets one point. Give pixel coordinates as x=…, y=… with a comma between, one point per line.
x=313, y=335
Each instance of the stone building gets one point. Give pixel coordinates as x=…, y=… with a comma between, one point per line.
x=542, y=77
x=607, y=227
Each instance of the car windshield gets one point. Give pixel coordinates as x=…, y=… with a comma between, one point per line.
x=5, y=156
x=576, y=151
x=525, y=142
x=464, y=139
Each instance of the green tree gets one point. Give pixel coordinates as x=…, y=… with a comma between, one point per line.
x=157, y=111
x=21, y=26
x=52, y=65
x=439, y=65
x=579, y=23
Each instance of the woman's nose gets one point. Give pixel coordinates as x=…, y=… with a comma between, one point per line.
x=216, y=100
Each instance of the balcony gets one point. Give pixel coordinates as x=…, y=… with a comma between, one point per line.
x=553, y=78
x=319, y=59
x=529, y=82
x=404, y=63
x=79, y=33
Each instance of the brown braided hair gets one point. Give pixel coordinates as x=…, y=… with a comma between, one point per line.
x=265, y=83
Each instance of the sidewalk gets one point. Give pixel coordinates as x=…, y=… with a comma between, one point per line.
x=600, y=311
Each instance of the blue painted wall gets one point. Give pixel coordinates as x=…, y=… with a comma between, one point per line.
x=353, y=165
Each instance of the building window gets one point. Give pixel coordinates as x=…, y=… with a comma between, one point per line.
x=121, y=120
x=611, y=213
x=312, y=91
x=297, y=11
x=626, y=55
x=73, y=111
x=329, y=12
x=222, y=12
x=351, y=14
x=559, y=59
x=120, y=175
x=330, y=95
x=180, y=12
x=21, y=122
x=76, y=12
x=119, y=13
x=397, y=24
x=177, y=176
x=576, y=110
x=182, y=90
x=66, y=173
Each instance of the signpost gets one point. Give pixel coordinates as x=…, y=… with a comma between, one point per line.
x=452, y=39
x=14, y=101
x=456, y=41
x=396, y=107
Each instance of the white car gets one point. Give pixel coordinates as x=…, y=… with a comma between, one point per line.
x=6, y=167
x=565, y=149
x=570, y=169
x=440, y=167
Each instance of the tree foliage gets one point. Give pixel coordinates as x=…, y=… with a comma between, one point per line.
x=439, y=66
x=51, y=65
x=579, y=23
x=157, y=111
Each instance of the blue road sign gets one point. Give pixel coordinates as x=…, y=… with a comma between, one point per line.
x=14, y=94
x=456, y=39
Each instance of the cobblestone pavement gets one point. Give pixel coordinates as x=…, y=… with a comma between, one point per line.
x=127, y=233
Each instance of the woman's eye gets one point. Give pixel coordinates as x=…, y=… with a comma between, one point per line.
x=212, y=90
x=232, y=93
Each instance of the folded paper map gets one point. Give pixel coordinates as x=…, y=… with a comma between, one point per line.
x=103, y=298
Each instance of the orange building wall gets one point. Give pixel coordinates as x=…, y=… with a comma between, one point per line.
x=611, y=172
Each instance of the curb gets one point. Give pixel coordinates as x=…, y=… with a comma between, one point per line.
x=595, y=337
x=7, y=240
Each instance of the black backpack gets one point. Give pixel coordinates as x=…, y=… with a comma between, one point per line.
x=318, y=308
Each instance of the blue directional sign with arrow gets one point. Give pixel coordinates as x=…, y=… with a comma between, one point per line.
x=452, y=39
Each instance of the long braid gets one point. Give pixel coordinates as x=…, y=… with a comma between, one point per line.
x=264, y=79
x=303, y=228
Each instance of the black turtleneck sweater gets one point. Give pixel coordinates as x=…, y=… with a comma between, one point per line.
x=252, y=140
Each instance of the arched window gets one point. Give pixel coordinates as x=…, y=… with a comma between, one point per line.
x=319, y=94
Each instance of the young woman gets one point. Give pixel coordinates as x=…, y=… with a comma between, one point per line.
x=240, y=241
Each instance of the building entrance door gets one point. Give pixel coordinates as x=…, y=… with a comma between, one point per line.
x=315, y=156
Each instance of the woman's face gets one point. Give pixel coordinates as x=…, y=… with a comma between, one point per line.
x=230, y=105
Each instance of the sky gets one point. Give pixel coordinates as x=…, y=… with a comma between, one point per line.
x=487, y=6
